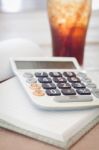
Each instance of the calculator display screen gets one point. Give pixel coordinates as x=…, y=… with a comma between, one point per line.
x=44, y=65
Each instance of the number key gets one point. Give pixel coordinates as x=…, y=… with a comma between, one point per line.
x=55, y=74
x=69, y=74
x=83, y=91
x=53, y=92
x=73, y=79
x=59, y=80
x=68, y=92
x=78, y=85
x=48, y=86
x=64, y=85
x=41, y=74
x=44, y=80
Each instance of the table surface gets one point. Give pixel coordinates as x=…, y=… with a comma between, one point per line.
x=35, y=26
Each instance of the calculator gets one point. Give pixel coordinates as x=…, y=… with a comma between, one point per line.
x=56, y=83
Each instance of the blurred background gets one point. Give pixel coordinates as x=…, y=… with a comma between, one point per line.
x=28, y=5
x=21, y=5
x=28, y=19
x=22, y=18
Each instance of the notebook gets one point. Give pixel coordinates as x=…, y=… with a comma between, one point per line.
x=60, y=128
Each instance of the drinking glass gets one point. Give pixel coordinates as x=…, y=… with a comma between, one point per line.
x=69, y=21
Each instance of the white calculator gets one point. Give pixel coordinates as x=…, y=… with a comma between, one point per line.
x=56, y=83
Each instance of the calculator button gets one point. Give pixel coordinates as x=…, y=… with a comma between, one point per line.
x=96, y=92
x=35, y=86
x=68, y=92
x=86, y=80
x=48, y=86
x=81, y=74
x=59, y=79
x=31, y=80
x=41, y=74
x=78, y=85
x=44, y=80
x=63, y=85
x=28, y=75
x=91, y=85
x=69, y=74
x=73, y=79
x=55, y=74
x=73, y=98
x=38, y=93
x=83, y=91
x=53, y=92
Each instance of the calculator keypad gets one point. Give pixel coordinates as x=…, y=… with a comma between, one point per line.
x=60, y=84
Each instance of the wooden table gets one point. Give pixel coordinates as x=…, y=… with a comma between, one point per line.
x=34, y=26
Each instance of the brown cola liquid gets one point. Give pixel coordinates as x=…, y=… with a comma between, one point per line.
x=69, y=45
